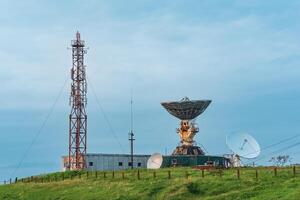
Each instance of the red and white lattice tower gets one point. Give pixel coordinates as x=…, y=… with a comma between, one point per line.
x=78, y=100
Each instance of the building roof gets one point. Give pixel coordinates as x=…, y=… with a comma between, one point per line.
x=115, y=155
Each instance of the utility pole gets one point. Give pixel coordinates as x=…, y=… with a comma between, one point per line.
x=131, y=135
x=78, y=100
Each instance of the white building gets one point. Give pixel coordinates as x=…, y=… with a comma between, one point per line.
x=234, y=160
x=101, y=162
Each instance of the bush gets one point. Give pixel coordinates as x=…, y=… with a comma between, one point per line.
x=194, y=188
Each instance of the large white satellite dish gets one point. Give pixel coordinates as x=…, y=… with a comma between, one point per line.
x=243, y=144
x=155, y=161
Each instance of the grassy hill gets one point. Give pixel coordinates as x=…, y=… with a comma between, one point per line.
x=183, y=183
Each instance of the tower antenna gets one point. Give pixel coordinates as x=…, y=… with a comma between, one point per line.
x=131, y=135
x=78, y=101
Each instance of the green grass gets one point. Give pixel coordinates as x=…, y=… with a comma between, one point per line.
x=213, y=186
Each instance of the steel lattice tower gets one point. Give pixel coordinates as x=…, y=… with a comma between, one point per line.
x=78, y=100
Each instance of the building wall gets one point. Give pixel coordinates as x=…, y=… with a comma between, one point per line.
x=194, y=160
x=114, y=161
x=101, y=162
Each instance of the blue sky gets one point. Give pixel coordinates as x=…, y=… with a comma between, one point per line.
x=243, y=55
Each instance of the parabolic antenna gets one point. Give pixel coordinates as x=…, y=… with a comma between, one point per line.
x=186, y=109
x=243, y=145
x=155, y=161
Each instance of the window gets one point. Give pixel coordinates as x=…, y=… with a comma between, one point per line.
x=129, y=164
x=139, y=164
x=120, y=164
x=174, y=161
x=91, y=164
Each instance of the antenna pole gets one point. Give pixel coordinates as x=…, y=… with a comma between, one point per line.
x=131, y=135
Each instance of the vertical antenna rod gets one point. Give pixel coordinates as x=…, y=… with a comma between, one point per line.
x=131, y=139
x=78, y=116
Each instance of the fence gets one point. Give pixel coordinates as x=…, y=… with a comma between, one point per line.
x=187, y=173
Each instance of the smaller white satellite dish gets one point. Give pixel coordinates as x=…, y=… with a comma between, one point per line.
x=155, y=161
x=243, y=145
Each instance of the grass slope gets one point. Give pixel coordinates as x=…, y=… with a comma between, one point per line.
x=214, y=185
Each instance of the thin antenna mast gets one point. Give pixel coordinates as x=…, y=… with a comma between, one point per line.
x=131, y=135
